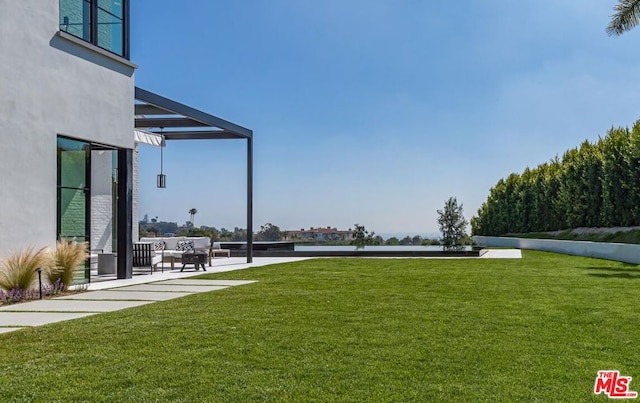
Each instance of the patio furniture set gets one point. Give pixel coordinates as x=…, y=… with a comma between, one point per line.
x=151, y=251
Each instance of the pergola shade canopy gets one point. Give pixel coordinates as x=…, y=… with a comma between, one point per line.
x=158, y=118
x=176, y=121
x=145, y=137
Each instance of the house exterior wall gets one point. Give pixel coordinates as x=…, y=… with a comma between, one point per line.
x=50, y=86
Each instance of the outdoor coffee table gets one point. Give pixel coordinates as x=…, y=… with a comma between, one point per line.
x=197, y=259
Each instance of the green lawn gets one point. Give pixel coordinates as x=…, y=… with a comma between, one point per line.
x=536, y=329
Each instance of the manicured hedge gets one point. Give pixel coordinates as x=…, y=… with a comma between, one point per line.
x=593, y=185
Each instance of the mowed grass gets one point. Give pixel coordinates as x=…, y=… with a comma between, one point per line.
x=536, y=329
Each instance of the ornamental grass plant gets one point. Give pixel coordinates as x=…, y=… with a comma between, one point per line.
x=65, y=260
x=18, y=271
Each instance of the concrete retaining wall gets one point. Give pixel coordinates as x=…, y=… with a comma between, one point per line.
x=628, y=253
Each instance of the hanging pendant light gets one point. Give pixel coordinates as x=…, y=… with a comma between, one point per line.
x=162, y=178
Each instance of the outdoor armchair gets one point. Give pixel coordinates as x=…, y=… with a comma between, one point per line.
x=144, y=255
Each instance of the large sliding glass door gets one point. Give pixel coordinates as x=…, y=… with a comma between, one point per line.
x=74, y=185
x=94, y=204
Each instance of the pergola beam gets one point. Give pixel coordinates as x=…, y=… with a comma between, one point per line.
x=204, y=127
x=144, y=109
x=167, y=122
x=196, y=135
x=177, y=108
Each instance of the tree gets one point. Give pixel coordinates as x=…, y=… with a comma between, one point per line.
x=192, y=214
x=452, y=224
x=593, y=185
x=625, y=18
x=154, y=230
x=393, y=241
x=361, y=237
x=429, y=242
x=269, y=232
x=239, y=234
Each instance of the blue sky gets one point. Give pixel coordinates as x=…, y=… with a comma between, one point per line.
x=374, y=112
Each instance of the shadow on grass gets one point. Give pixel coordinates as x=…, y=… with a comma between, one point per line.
x=630, y=273
x=626, y=268
x=626, y=276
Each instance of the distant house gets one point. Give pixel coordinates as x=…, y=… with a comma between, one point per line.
x=319, y=234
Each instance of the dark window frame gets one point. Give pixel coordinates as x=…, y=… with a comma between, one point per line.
x=86, y=188
x=87, y=191
x=93, y=25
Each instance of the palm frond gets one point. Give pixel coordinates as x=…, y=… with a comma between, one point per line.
x=626, y=17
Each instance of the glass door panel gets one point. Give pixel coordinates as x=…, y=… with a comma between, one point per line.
x=103, y=199
x=73, y=166
x=73, y=214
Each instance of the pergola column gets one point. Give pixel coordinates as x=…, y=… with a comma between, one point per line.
x=249, y=199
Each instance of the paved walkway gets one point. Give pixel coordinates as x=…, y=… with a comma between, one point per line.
x=107, y=296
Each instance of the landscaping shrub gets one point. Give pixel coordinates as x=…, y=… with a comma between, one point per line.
x=593, y=185
x=18, y=295
x=66, y=258
x=18, y=271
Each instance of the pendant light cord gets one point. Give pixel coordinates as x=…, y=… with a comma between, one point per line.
x=161, y=149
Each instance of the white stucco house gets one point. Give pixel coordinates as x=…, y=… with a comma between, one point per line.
x=69, y=109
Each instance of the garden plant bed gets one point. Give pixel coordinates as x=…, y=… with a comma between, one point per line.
x=531, y=329
x=7, y=299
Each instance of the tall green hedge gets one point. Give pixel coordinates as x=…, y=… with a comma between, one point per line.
x=593, y=185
